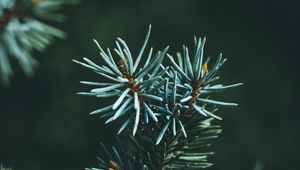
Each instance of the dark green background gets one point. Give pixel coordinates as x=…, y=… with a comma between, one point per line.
x=44, y=125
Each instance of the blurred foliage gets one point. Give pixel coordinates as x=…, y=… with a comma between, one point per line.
x=259, y=165
x=44, y=125
x=21, y=32
x=2, y=168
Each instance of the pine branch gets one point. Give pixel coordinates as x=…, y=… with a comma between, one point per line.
x=21, y=32
x=175, y=98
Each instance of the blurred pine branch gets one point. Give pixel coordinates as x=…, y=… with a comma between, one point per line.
x=3, y=168
x=21, y=32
